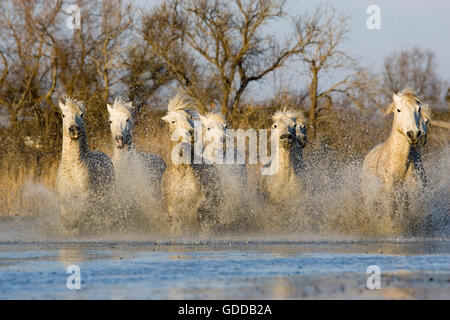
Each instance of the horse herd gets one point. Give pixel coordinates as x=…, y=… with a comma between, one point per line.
x=190, y=193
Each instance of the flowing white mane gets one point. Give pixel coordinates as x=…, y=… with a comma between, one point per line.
x=71, y=102
x=182, y=102
x=122, y=105
x=215, y=117
x=409, y=96
x=291, y=114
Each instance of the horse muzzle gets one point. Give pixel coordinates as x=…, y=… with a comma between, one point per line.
x=119, y=142
x=74, y=132
x=287, y=139
x=414, y=136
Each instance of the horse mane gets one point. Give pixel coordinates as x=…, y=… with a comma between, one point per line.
x=285, y=113
x=426, y=112
x=123, y=105
x=410, y=95
x=216, y=117
x=182, y=102
x=72, y=101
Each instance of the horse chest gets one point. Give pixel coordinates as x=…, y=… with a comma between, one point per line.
x=182, y=186
x=283, y=185
x=73, y=179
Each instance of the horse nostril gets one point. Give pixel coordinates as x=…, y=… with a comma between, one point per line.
x=286, y=136
x=413, y=134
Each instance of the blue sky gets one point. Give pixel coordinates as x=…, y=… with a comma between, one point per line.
x=404, y=25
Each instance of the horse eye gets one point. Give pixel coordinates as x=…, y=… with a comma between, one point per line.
x=110, y=122
x=398, y=110
x=173, y=121
x=128, y=120
x=63, y=116
x=209, y=128
x=81, y=115
x=274, y=125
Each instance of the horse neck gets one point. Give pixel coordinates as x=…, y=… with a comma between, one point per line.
x=398, y=147
x=74, y=151
x=211, y=150
x=183, y=168
x=287, y=160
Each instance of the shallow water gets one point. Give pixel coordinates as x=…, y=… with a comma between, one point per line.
x=225, y=269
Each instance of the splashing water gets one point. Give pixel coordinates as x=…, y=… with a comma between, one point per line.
x=330, y=208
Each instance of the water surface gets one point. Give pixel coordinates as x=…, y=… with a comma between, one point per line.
x=225, y=269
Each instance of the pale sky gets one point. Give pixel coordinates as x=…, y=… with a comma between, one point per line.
x=404, y=25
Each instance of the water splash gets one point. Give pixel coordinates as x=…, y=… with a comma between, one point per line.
x=330, y=208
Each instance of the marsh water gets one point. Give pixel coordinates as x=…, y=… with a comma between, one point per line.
x=225, y=269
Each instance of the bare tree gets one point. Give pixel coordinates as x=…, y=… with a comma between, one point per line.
x=145, y=74
x=415, y=69
x=29, y=58
x=322, y=33
x=42, y=59
x=226, y=42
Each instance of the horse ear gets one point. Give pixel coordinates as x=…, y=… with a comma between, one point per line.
x=389, y=108
x=396, y=98
x=109, y=107
x=62, y=106
x=166, y=118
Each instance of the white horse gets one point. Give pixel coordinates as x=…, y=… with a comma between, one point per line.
x=285, y=183
x=191, y=190
x=396, y=165
x=83, y=176
x=218, y=150
x=138, y=174
x=215, y=150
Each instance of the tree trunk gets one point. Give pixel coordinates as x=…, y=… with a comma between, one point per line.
x=313, y=104
x=224, y=106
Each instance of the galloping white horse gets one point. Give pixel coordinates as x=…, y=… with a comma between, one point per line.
x=396, y=163
x=83, y=176
x=191, y=190
x=285, y=182
x=220, y=151
x=138, y=174
x=215, y=149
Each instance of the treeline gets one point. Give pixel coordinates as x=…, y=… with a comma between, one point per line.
x=215, y=50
